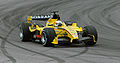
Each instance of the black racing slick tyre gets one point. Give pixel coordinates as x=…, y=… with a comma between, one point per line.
x=47, y=36
x=90, y=31
x=25, y=34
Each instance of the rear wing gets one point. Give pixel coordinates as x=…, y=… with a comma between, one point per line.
x=41, y=17
x=44, y=17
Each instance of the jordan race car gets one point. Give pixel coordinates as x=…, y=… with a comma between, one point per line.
x=56, y=31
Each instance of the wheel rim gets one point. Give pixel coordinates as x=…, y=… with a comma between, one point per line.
x=43, y=38
x=21, y=35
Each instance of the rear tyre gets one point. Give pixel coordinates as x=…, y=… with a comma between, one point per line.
x=25, y=34
x=47, y=36
x=88, y=31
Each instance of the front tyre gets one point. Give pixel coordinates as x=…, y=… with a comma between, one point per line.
x=90, y=31
x=47, y=36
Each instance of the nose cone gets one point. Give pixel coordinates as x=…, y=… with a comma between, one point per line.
x=73, y=33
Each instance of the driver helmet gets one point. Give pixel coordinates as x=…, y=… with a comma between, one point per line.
x=58, y=23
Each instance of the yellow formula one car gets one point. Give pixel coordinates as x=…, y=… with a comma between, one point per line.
x=56, y=32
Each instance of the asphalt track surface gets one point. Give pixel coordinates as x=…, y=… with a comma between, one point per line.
x=103, y=14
